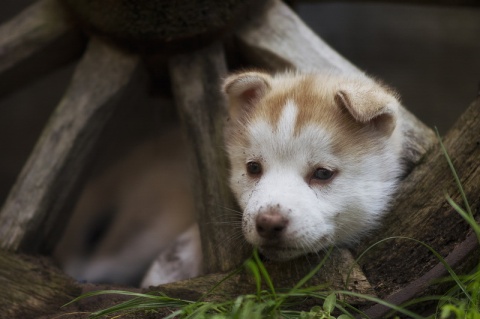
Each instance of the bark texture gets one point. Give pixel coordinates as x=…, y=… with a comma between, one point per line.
x=32, y=286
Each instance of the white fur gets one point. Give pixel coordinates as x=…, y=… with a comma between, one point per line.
x=338, y=212
x=181, y=260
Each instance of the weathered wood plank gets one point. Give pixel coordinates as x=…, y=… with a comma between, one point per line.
x=196, y=79
x=33, y=215
x=31, y=30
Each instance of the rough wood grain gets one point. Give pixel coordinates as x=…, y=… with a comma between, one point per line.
x=32, y=286
x=33, y=215
x=196, y=79
x=31, y=30
x=278, y=39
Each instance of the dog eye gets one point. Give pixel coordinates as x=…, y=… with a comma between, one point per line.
x=254, y=168
x=323, y=174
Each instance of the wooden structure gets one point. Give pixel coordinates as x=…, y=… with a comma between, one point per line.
x=34, y=214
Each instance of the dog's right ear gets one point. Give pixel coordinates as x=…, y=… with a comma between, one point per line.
x=244, y=90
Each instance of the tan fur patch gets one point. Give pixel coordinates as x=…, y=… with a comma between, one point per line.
x=314, y=95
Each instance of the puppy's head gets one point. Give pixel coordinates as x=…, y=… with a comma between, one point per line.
x=314, y=158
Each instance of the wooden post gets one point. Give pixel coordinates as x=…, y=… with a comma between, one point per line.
x=38, y=40
x=33, y=215
x=196, y=79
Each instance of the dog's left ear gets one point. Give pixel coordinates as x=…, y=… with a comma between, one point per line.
x=370, y=104
x=244, y=90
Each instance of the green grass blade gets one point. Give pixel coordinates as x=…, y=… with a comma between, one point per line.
x=253, y=267
x=264, y=272
x=315, y=270
x=303, y=281
x=469, y=219
x=119, y=292
x=455, y=175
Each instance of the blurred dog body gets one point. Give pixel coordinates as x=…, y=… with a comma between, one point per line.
x=129, y=214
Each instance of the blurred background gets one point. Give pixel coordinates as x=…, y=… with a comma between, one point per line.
x=429, y=54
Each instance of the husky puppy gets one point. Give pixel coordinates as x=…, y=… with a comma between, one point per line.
x=315, y=158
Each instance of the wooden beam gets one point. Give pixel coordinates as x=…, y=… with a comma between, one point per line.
x=196, y=79
x=37, y=41
x=31, y=30
x=34, y=213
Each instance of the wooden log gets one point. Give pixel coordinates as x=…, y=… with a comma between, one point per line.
x=32, y=286
x=35, y=211
x=196, y=79
x=285, y=275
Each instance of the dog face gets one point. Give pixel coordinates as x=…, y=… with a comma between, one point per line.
x=314, y=158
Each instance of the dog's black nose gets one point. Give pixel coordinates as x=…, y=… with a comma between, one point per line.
x=271, y=225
